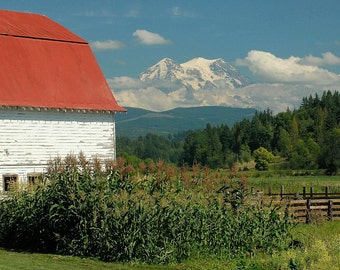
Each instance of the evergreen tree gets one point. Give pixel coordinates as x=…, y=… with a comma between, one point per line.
x=330, y=154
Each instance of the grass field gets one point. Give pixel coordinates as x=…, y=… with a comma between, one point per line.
x=294, y=184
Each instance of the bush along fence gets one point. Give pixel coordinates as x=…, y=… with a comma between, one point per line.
x=309, y=206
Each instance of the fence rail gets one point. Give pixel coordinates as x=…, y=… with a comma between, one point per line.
x=314, y=209
x=308, y=206
x=307, y=194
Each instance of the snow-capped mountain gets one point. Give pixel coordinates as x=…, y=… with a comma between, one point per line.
x=196, y=74
x=202, y=82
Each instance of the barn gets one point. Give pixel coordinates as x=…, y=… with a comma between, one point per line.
x=54, y=99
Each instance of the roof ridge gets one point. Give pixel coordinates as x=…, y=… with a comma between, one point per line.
x=41, y=38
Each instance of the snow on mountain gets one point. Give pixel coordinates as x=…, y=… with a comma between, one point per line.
x=166, y=69
x=196, y=74
x=202, y=82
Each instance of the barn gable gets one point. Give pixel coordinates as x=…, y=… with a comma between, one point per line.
x=54, y=99
x=45, y=65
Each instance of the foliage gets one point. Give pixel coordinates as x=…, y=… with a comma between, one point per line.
x=151, y=146
x=262, y=158
x=330, y=154
x=110, y=212
x=308, y=138
x=316, y=247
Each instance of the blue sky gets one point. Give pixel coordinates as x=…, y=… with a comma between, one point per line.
x=286, y=42
x=210, y=29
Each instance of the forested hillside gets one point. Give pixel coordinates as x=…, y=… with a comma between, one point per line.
x=139, y=122
x=305, y=138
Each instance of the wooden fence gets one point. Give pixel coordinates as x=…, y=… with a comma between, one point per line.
x=303, y=195
x=308, y=206
x=309, y=210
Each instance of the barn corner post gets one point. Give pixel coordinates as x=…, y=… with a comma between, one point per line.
x=114, y=137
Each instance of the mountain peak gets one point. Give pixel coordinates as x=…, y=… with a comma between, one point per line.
x=163, y=70
x=199, y=61
x=197, y=74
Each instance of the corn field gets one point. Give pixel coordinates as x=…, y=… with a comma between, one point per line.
x=154, y=214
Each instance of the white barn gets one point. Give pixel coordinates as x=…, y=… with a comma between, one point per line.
x=54, y=99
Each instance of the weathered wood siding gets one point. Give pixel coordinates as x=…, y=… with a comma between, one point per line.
x=30, y=138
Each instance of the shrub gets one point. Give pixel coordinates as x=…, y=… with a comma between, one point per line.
x=262, y=158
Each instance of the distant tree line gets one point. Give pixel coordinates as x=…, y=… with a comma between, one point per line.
x=307, y=138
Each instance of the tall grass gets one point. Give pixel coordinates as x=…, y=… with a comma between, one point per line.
x=155, y=215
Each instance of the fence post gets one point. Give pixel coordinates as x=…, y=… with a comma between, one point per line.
x=326, y=192
x=311, y=192
x=270, y=191
x=296, y=196
x=282, y=191
x=329, y=210
x=304, y=192
x=252, y=191
x=308, y=204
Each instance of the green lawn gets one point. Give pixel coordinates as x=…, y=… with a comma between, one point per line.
x=17, y=260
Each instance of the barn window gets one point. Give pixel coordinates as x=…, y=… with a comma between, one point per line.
x=34, y=178
x=8, y=179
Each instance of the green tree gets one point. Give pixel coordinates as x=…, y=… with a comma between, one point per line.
x=330, y=155
x=262, y=158
x=261, y=130
x=294, y=130
x=214, y=147
x=305, y=154
x=283, y=143
x=195, y=149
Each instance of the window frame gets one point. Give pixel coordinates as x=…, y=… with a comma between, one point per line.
x=7, y=179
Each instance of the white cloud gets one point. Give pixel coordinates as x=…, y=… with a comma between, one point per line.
x=287, y=82
x=149, y=98
x=149, y=38
x=291, y=70
x=276, y=97
x=124, y=82
x=327, y=59
x=176, y=11
x=106, y=45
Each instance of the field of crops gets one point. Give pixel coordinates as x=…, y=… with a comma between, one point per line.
x=320, y=249
x=189, y=218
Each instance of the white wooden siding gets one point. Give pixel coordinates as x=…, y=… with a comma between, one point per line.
x=30, y=138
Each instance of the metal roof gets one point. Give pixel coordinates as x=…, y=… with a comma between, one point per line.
x=45, y=65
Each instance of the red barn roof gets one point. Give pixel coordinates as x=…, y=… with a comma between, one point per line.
x=45, y=65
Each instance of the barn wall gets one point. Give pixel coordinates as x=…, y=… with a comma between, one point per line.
x=30, y=138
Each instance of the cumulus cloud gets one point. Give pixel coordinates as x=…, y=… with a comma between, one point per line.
x=124, y=82
x=276, y=97
x=149, y=98
x=327, y=59
x=106, y=45
x=290, y=70
x=149, y=38
x=287, y=82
